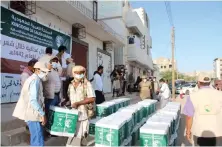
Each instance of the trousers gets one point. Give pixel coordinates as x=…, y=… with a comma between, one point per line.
x=53, y=102
x=36, y=131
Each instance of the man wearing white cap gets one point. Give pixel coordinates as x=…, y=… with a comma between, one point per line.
x=81, y=96
x=203, y=110
x=30, y=106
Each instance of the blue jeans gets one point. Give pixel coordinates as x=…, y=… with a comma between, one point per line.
x=36, y=131
x=53, y=102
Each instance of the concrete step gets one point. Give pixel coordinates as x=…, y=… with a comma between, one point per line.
x=14, y=137
x=12, y=124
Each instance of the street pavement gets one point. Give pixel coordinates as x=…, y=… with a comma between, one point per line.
x=134, y=98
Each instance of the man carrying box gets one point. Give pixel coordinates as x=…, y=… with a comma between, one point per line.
x=30, y=106
x=81, y=95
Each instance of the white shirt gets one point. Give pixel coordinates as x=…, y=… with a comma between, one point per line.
x=98, y=82
x=165, y=91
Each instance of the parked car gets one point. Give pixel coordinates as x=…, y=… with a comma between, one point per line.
x=177, y=88
x=187, y=88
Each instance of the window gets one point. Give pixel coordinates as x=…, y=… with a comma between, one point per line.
x=18, y=6
x=164, y=66
x=95, y=10
x=170, y=66
x=131, y=40
x=161, y=67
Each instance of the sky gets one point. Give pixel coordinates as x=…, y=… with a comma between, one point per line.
x=198, y=32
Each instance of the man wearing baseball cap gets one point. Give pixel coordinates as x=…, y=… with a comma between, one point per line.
x=30, y=106
x=203, y=110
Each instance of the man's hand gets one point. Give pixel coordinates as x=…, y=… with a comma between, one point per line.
x=75, y=105
x=188, y=135
x=43, y=120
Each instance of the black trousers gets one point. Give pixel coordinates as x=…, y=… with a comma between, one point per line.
x=124, y=87
x=203, y=141
x=99, y=97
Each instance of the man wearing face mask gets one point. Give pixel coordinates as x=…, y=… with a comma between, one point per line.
x=145, y=87
x=98, y=85
x=28, y=71
x=164, y=93
x=52, y=87
x=30, y=106
x=81, y=96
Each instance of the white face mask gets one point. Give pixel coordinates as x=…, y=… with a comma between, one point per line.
x=144, y=80
x=54, y=65
x=79, y=76
x=42, y=76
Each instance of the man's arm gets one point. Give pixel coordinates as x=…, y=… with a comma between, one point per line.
x=34, y=93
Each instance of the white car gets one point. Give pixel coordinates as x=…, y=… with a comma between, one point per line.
x=187, y=88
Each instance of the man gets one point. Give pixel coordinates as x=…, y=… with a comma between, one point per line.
x=131, y=82
x=203, y=110
x=155, y=88
x=61, y=54
x=28, y=71
x=30, y=106
x=81, y=95
x=47, y=57
x=69, y=78
x=164, y=93
x=52, y=87
x=98, y=85
x=145, y=88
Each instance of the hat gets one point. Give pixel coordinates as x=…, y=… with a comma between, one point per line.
x=70, y=60
x=78, y=68
x=42, y=66
x=204, y=78
x=144, y=77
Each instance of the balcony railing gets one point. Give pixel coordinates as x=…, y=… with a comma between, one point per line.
x=91, y=14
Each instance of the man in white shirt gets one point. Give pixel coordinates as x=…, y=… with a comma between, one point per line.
x=98, y=85
x=164, y=93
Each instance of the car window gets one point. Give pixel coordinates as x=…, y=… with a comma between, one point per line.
x=193, y=85
x=186, y=85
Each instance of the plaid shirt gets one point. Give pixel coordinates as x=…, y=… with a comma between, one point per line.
x=83, y=90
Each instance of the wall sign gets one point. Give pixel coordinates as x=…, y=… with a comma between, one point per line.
x=21, y=40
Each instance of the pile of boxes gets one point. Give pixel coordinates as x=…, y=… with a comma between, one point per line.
x=122, y=128
x=110, y=107
x=161, y=128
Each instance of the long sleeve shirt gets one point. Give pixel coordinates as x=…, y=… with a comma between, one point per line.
x=34, y=93
x=98, y=82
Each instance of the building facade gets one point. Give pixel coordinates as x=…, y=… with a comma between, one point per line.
x=85, y=28
x=217, y=64
x=138, y=54
x=164, y=64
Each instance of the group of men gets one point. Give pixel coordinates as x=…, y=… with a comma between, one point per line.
x=151, y=89
x=41, y=87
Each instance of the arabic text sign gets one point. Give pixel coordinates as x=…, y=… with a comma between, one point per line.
x=22, y=28
x=10, y=87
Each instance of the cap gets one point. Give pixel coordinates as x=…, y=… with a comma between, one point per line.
x=204, y=78
x=78, y=68
x=42, y=66
x=70, y=60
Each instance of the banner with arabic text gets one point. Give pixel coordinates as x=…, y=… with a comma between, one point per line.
x=21, y=40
